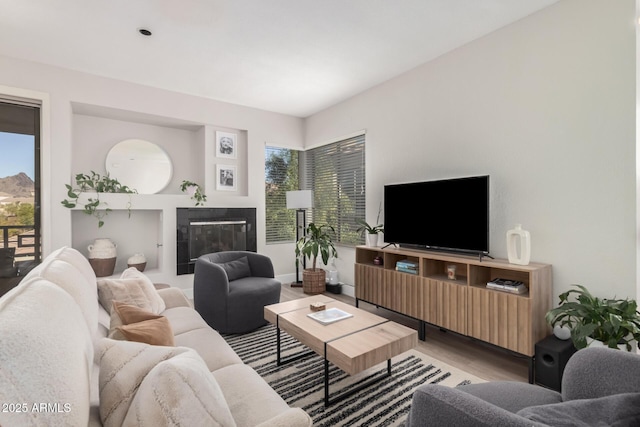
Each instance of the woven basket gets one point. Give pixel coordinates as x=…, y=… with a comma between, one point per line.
x=313, y=281
x=103, y=266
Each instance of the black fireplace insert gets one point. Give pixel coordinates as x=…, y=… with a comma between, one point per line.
x=206, y=230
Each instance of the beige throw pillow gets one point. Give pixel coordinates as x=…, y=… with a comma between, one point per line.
x=143, y=385
x=157, y=303
x=152, y=331
x=128, y=291
x=132, y=323
x=133, y=288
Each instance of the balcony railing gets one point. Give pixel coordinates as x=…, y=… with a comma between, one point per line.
x=24, y=242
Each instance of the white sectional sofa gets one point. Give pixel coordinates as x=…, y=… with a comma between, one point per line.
x=57, y=366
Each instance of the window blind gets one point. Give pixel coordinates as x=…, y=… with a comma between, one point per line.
x=336, y=174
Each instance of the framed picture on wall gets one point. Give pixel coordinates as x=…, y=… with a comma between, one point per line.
x=226, y=145
x=226, y=178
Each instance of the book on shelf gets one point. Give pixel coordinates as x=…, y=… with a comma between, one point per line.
x=407, y=264
x=407, y=270
x=506, y=285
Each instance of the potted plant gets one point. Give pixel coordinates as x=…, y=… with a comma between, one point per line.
x=614, y=322
x=371, y=230
x=94, y=183
x=193, y=189
x=316, y=241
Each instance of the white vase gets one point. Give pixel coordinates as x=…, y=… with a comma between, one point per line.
x=372, y=240
x=518, y=246
x=562, y=332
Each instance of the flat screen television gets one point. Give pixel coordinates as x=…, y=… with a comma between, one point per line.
x=448, y=215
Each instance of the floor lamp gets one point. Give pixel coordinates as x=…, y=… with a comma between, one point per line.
x=300, y=200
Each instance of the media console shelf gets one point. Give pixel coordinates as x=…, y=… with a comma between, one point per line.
x=464, y=304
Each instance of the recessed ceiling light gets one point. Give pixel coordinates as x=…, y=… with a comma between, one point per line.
x=144, y=32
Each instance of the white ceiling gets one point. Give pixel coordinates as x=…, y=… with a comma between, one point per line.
x=290, y=56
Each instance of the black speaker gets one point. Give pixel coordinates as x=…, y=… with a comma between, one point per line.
x=552, y=355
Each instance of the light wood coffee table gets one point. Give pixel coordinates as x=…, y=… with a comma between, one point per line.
x=353, y=344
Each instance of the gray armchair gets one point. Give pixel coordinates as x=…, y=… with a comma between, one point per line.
x=600, y=386
x=230, y=290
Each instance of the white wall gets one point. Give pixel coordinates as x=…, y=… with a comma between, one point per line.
x=546, y=107
x=67, y=90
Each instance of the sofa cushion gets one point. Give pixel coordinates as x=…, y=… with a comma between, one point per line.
x=618, y=410
x=69, y=269
x=237, y=269
x=142, y=385
x=46, y=354
x=250, y=399
x=181, y=389
x=184, y=319
x=190, y=330
x=213, y=349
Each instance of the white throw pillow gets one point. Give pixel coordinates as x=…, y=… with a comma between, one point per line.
x=157, y=303
x=143, y=385
x=128, y=291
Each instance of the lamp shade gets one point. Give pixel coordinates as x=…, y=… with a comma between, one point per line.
x=299, y=199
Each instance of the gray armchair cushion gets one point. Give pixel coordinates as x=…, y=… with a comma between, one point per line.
x=600, y=387
x=237, y=269
x=598, y=371
x=437, y=405
x=512, y=396
x=619, y=410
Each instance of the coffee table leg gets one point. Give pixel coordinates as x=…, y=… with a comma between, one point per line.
x=279, y=360
x=328, y=402
x=278, y=346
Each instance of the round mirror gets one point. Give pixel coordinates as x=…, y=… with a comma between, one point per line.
x=140, y=165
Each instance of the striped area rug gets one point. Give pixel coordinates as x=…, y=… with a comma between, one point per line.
x=301, y=383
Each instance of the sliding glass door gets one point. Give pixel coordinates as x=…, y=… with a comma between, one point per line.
x=20, y=241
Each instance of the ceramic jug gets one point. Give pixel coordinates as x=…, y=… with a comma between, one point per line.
x=102, y=249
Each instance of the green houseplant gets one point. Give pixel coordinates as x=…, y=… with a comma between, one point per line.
x=611, y=321
x=194, y=191
x=94, y=182
x=371, y=230
x=316, y=242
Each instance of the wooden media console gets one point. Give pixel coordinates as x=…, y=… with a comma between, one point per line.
x=462, y=304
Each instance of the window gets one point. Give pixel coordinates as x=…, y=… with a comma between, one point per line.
x=281, y=175
x=335, y=172
x=19, y=191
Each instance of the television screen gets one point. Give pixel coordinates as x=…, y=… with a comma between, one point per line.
x=449, y=214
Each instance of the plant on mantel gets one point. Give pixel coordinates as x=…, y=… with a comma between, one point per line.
x=614, y=322
x=94, y=183
x=194, y=191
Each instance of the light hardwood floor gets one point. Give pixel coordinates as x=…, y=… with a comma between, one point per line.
x=473, y=356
